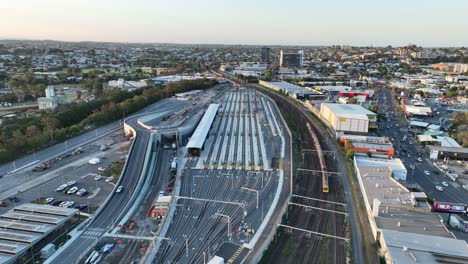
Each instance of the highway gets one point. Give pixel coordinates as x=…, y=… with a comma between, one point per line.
x=108, y=214
x=391, y=129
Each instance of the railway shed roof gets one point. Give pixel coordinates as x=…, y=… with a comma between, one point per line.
x=201, y=132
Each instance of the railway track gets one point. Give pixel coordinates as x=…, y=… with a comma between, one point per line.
x=305, y=249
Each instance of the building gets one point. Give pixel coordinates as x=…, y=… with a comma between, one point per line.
x=453, y=153
x=51, y=101
x=293, y=59
x=265, y=56
x=127, y=85
x=197, y=141
x=415, y=108
x=348, y=118
x=402, y=223
x=294, y=91
x=397, y=168
x=364, y=145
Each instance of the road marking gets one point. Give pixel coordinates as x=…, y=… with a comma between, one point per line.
x=236, y=255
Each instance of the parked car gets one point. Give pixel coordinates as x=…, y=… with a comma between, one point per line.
x=101, y=169
x=439, y=188
x=82, y=192
x=419, y=159
x=109, y=179
x=3, y=204
x=13, y=198
x=71, y=183
x=49, y=200
x=81, y=206
x=119, y=189
x=61, y=187
x=412, y=167
x=98, y=177
x=57, y=202
x=444, y=183
x=427, y=173
x=72, y=190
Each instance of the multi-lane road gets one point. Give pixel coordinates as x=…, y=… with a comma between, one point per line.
x=409, y=152
x=116, y=204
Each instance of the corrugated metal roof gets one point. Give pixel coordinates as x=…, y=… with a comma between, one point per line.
x=348, y=109
x=199, y=136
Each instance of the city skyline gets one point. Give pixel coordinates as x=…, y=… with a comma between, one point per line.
x=362, y=23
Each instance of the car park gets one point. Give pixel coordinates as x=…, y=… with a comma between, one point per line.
x=439, y=188
x=444, y=183
x=119, y=189
x=72, y=190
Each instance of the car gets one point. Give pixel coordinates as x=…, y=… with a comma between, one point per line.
x=161, y=193
x=82, y=192
x=81, y=206
x=119, y=189
x=411, y=143
x=409, y=155
x=62, y=204
x=412, y=167
x=49, y=200
x=69, y=204
x=61, y=187
x=71, y=183
x=439, y=188
x=109, y=179
x=101, y=169
x=427, y=172
x=72, y=190
x=419, y=159
x=57, y=202
x=3, y=204
x=13, y=198
x=97, y=178
x=444, y=183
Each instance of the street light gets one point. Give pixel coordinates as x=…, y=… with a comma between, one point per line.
x=228, y=223
x=252, y=190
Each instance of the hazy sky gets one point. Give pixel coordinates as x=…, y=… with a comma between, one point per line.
x=291, y=22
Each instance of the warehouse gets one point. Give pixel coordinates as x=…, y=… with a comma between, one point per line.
x=439, y=153
x=294, y=91
x=349, y=118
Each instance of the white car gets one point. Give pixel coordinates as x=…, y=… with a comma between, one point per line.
x=82, y=192
x=49, y=200
x=109, y=179
x=68, y=204
x=97, y=178
x=427, y=173
x=439, y=188
x=444, y=183
x=101, y=169
x=72, y=190
x=419, y=159
x=71, y=183
x=412, y=167
x=119, y=189
x=61, y=187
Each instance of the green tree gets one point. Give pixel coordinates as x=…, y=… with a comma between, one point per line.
x=350, y=153
x=352, y=100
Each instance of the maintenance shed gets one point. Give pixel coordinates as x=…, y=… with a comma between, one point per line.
x=197, y=141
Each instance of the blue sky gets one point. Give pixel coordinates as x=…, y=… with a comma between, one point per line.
x=293, y=22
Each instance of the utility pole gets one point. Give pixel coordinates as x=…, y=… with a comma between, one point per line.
x=228, y=223
x=252, y=190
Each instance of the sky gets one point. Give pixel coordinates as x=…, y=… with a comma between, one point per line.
x=429, y=23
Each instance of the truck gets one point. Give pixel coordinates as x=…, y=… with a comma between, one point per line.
x=173, y=165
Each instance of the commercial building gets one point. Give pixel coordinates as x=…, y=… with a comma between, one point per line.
x=26, y=225
x=294, y=91
x=265, y=56
x=396, y=166
x=197, y=141
x=402, y=223
x=440, y=153
x=292, y=59
x=364, y=145
x=348, y=118
x=415, y=108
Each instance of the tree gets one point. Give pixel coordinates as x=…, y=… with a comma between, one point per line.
x=352, y=100
x=350, y=153
x=268, y=75
x=374, y=108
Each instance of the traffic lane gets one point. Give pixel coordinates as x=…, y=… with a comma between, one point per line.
x=74, y=251
x=129, y=182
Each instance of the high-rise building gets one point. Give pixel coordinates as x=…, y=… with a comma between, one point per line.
x=291, y=59
x=265, y=58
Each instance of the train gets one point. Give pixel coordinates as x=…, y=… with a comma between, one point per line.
x=325, y=187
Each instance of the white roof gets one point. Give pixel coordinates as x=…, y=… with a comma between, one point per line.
x=448, y=142
x=199, y=136
x=419, y=124
x=393, y=164
x=348, y=110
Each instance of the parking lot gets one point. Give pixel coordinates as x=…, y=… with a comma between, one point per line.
x=84, y=174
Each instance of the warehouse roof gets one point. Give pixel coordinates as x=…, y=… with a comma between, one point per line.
x=199, y=136
x=348, y=109
x=448, y=149
x=46, y=209
x=36, y=218
x=393, y=164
